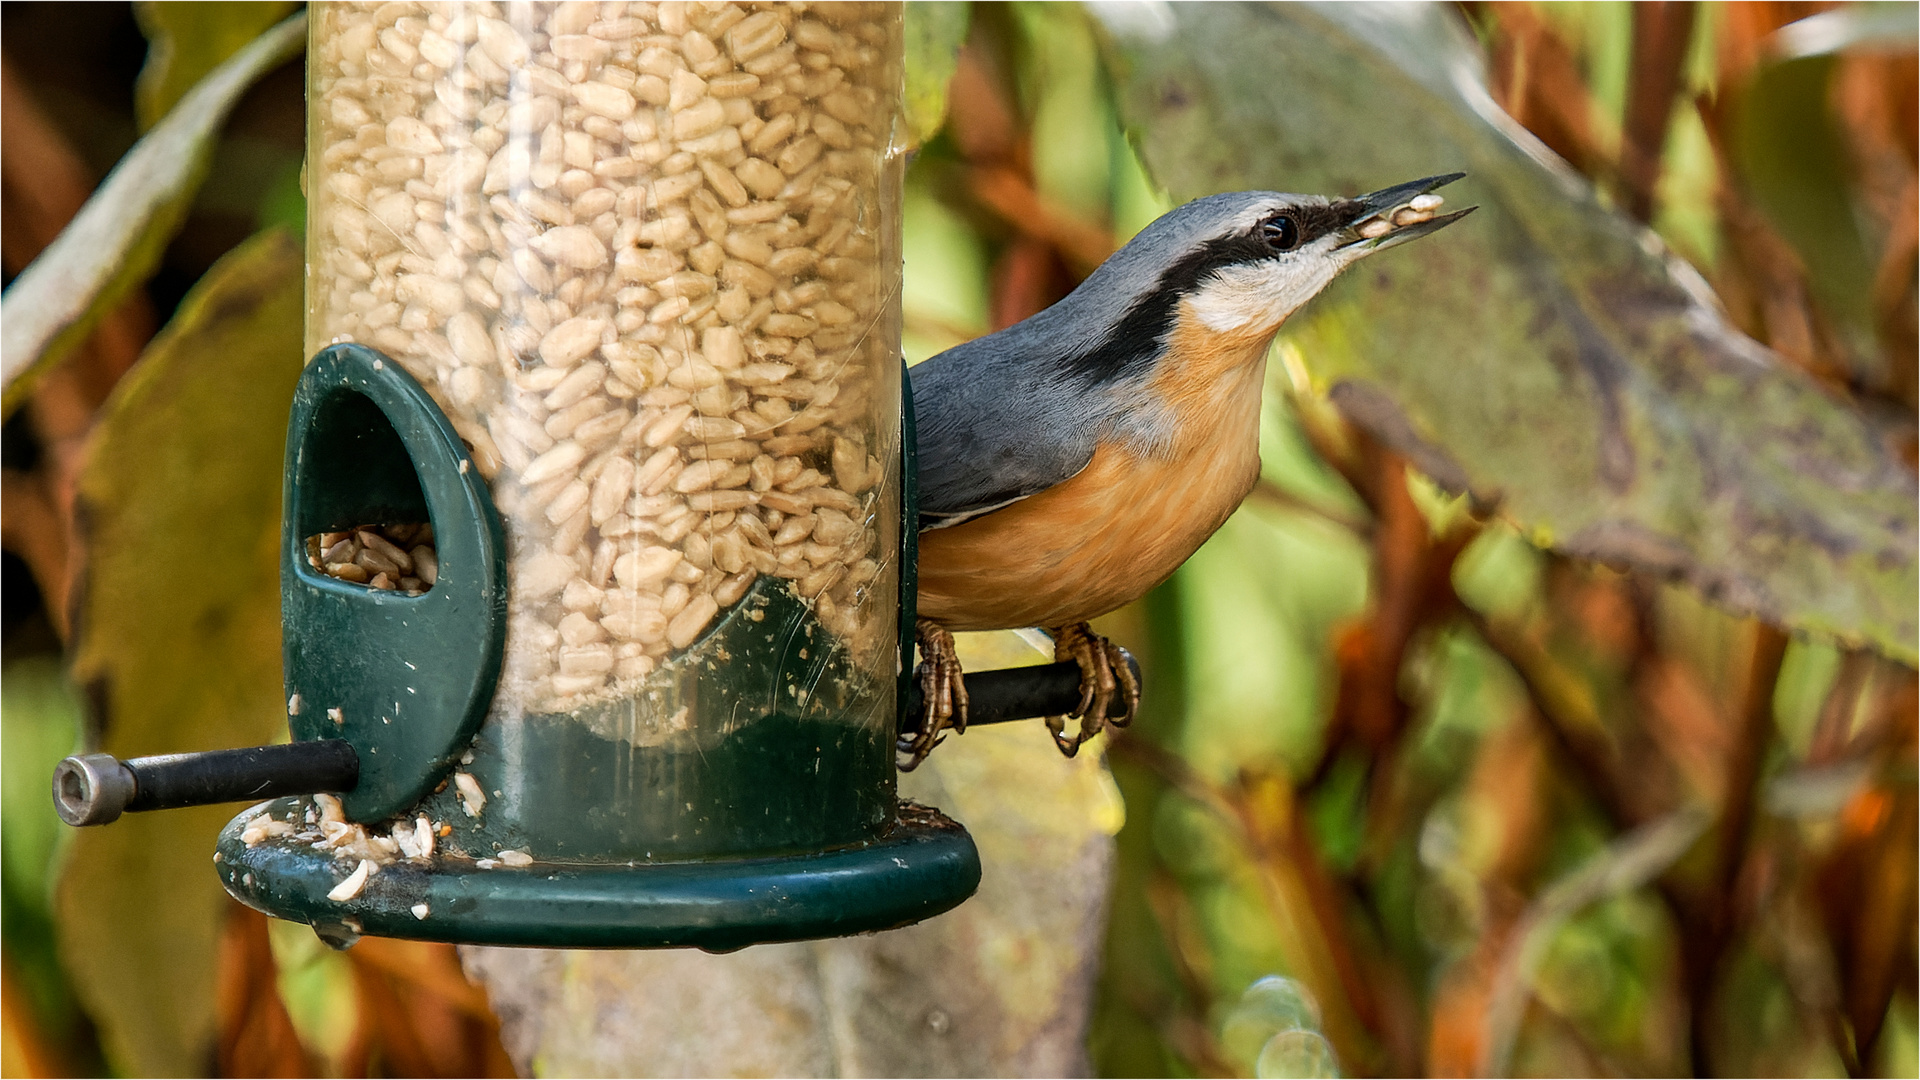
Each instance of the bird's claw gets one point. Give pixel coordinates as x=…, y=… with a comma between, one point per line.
x=943, y=690
x=1103, y=672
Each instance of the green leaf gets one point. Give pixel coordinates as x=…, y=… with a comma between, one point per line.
x=188, y=40
x=935, y=30
x=116, y=240
x=1544, y=354
x=40, y=718
x=177, y=638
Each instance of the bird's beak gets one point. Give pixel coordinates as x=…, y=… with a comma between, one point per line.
x=1392, y=216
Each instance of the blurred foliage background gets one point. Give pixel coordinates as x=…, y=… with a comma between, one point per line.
x=1409, y=794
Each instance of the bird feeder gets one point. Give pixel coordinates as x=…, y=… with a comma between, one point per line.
x=596, y=560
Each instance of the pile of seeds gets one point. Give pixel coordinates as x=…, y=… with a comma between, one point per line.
x=640, y=253
x=324, y=827
x=379, y=556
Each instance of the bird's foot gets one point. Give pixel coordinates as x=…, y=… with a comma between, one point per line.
x=943, y=691
x=1103, y=673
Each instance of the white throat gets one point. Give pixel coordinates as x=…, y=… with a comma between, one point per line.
x=1259, y=296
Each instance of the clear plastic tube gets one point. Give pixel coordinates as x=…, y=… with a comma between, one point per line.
x=645, y=257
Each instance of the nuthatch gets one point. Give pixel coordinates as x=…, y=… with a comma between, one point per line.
x=1073, y=461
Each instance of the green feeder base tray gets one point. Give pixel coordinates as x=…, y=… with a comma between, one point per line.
x=926, y=865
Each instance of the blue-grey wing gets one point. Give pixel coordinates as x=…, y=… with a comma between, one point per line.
x=991, y=432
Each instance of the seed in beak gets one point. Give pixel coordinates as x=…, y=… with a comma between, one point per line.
x=1425, y=203
x=1376, y=228
x=1407, y=215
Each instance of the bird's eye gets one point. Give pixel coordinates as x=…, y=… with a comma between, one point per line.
x=1280, y=232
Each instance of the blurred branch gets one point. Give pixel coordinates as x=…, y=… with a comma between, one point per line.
x=1272, y=494
x=1331, y=439
x=1261, y=814
x=1173, y=913
x=44, y=182
x=987, y=130
x=1326, y=431
x=1747, y=752
x=1411, y=590
x=1870, y=880
x=1787, y=931
x=1027, y=278
x=1761, y=279
x=1412, y=587
x=1174, y=771
x=1709, y=912
x=1713, y=925
x=430, y=968
x=420, y=1015
x=1764, y=280
x=1893, y=299
x=1304, y=893
x=1568, y=711
x=1875, y=93
x=257, y=1037
x=1009, y=194
x=1035, y=269
x=1505, y=789
x=1626, y=864
x=1662, y=33
x=1876, y=946
x=981, y=118
x=1535, y=77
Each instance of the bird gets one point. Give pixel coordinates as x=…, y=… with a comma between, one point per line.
x=1072, y=461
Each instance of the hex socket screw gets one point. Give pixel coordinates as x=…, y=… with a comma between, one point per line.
x=92, y=789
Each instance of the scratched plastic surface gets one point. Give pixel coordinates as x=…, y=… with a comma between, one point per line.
x=762, y=739
x=646, y=260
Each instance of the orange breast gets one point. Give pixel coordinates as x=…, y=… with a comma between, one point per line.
x=1123, y=525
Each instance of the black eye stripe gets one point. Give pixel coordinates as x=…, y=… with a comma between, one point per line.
x=1317, y=221
x=1132, y=342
